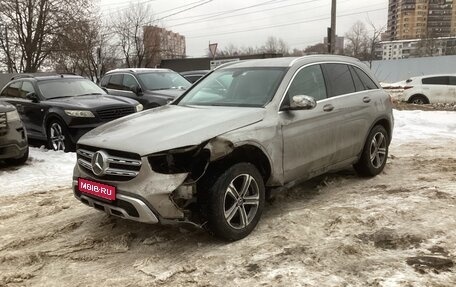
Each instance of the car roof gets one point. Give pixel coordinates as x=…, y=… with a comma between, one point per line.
x=288, y=61
x=137, y=70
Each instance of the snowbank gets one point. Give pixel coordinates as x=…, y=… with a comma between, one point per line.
x=423, y=125
x=49, y=170
x=44, y=170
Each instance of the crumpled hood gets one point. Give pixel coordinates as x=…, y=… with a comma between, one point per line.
x=169, y=127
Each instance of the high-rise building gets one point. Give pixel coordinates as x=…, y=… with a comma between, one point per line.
x=418, y=19
x=160, y=44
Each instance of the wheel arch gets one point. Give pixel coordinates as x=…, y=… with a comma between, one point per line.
x=50, y=117
x=250, y=153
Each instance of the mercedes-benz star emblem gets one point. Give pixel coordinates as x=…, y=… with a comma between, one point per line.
x=99, y=163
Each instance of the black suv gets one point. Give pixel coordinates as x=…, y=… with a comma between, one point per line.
x=13, y=140
x=61, y=108
x=150, y=87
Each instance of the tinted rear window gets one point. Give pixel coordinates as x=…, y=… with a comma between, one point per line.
x=436, y=81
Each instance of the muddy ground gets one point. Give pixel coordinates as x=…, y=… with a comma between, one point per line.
x=397, y=229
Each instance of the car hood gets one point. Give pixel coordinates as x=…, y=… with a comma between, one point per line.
x=92, y=101
x=169, y=127
x=169, y=93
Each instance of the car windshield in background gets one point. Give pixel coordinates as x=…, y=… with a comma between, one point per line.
x=62, y=88
x=163, y=81
x=243, y=87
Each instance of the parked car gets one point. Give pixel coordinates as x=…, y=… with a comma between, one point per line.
x=13, y=139
x=61, y=108
x=430, y=89
x=208, y=157
x=193, y=76
x=150, y=87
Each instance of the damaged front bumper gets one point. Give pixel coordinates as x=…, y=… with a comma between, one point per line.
x=147, y=198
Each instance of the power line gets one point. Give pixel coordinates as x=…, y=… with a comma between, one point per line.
x=286, y=24
x=230, y=11
x=268, y=17
x=185, y=10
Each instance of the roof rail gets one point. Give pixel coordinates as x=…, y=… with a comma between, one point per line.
x=20, y=76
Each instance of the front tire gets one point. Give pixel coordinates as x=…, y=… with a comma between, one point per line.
x=235, y=202
x=375, y=153
x=58, y=137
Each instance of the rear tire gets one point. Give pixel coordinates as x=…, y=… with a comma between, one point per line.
x=18, y=161
x=234, y=202
x=419, y=100
x=375, y=153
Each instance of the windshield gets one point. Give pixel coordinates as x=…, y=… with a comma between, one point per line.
x=68, y=88
x=242, y=87
x=163, y=81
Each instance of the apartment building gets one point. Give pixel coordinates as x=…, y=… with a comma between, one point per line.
x=161, y=44
x=418, y=19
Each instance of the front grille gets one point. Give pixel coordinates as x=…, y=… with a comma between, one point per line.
x=3, y=121
x=120, y=166
x=114, y=113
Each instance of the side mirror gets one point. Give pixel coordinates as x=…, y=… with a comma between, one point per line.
x=33, y=97
x=136, y=89
x=301, y=102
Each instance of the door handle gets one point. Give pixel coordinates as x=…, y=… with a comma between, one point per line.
x=328, y=108
x=366, y=99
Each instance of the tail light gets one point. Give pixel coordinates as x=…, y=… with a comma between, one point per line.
x=408, y=87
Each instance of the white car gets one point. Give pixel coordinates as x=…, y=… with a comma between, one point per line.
x=430, y=89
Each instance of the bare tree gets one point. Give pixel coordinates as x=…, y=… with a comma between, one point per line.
x=93, y=56
x=32, y=29
x=374, y=40
x=129, y=30
x=275, y=45
x=357, y=41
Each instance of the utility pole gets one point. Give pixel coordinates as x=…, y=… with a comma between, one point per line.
x=332, y=39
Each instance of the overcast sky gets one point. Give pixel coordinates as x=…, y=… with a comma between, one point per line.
x=299, y=22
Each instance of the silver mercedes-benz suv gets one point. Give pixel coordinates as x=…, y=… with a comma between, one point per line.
x=248, y=126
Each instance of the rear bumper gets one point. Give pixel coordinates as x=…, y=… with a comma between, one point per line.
x=13, y=141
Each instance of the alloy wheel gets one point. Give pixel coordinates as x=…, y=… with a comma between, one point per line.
x=241, y=201
x=57, y=136
x=378, y=150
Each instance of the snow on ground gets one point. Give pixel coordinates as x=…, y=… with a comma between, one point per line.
x=397, y=229
x=52, y=170
x=45, y=169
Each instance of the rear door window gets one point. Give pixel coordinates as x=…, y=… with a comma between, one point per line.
x=115, y=82
x=357, y=81
x=13, y=90
x=339, y=79
x=436, y=81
